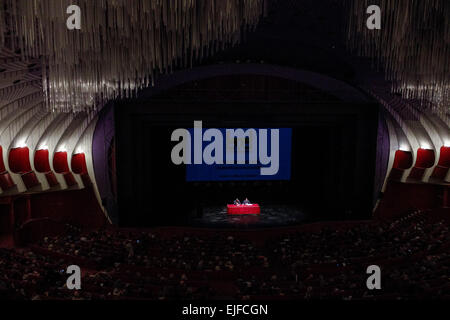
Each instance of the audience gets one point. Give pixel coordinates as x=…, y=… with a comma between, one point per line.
x=412, y=253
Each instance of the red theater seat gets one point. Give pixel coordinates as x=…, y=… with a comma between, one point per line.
x=30, y=180
x=440, y=172
x=444, y=164
x=79, y=163
x=444, y=159
x=403, y=160
x=41, y=161
x=70, y=179
x=417, y=173
x=425, y=158
x=6, y=181
x=19, y=160
x=396, y=174
x=60, y=163
x=2, y=164
x=51, y=179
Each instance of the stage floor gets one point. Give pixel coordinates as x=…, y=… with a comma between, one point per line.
x=271, y=216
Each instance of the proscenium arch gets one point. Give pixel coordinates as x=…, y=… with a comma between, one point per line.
x=337, y=88
x=346, y=93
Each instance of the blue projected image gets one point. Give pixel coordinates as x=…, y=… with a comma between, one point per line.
x=248, y=154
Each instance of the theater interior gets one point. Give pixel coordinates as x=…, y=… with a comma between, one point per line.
x=87, y=177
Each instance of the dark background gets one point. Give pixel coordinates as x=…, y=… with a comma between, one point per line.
x=333, y=150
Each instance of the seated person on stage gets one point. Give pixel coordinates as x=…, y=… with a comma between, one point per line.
x=247, y=202
x=237, y=202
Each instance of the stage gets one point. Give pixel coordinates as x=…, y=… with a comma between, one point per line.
x=270, y=216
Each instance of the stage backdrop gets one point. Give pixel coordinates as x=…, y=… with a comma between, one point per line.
x=332, y=159
x=244, y=172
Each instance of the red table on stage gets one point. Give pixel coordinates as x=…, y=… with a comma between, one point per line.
x=244, y=209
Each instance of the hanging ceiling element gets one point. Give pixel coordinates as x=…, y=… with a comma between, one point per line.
x=413, y=47
x=122, y=45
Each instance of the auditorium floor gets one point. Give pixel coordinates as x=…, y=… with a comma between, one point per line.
x=271, y=216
